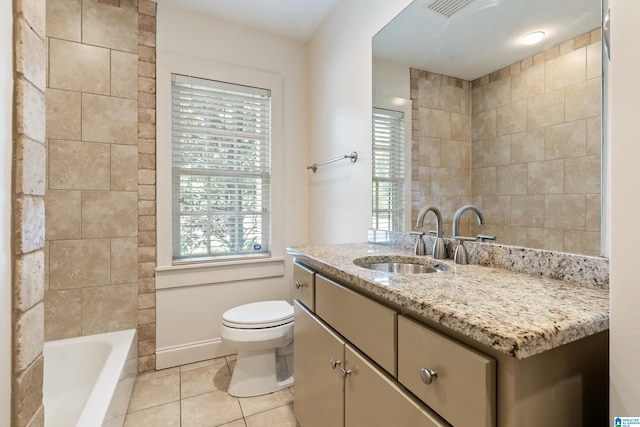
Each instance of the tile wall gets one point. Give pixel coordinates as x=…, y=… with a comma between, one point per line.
x=101, y=170
x=535, y=150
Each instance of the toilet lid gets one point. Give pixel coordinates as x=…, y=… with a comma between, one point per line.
x=261, y=314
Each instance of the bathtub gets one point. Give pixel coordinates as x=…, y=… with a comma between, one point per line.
x=88, y=380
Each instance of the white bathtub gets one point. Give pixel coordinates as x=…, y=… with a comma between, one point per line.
x=88, y=380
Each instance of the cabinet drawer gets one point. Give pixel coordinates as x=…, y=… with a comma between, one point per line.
x=463, y=390
x=304, y=285
x=368, y=325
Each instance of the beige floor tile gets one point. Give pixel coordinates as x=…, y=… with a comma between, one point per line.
x=157, y=374
x=154, y=390
x=167, y=415
x=281, y=417
x=204, y=363
x=254, y=405
x=210, y=409
x=205, y=379
x=238, y=423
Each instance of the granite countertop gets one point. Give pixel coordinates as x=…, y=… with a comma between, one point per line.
x=517, y=314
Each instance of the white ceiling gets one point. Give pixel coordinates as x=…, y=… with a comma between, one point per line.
x=294, y=19
x=483, y=36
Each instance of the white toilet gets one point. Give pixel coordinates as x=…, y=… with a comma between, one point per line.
x=262, y=332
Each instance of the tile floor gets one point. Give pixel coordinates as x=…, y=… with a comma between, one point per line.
x=196, y=396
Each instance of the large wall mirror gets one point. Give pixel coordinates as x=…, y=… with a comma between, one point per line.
x=510, y=127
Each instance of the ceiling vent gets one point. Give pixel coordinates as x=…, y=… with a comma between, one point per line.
x=447, y=7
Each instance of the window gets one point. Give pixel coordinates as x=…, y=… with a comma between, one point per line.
x=221, y=172
x=388, y=169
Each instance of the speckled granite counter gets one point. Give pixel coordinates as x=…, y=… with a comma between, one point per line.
x=517, y=314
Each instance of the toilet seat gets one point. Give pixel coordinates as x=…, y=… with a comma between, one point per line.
x=258, y=315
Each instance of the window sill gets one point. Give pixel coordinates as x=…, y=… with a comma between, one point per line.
x=219, y=272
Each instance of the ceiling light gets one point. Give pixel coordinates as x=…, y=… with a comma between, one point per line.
x=533, y=38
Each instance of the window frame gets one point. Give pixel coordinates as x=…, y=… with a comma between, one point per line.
x=168, y=64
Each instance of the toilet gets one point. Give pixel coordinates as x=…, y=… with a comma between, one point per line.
x=262, y=333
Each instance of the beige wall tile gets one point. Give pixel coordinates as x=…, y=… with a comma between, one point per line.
x=496, y=209
x=62, y=314
x=29, y=280
x=109, y=214
x=124, y=167
x=545, y=177
x=450, y=155
x=593, y=210
x=583, y=242
x=78, y=263
x=497, y=151
x=424, y=115
x=108, y=26
x=78, y=67
x=511, y=179
x=476, y=100
x=594, y=136
x=451, y=98
x=30, y=110
x=77, y=165
x=527, y=146
x=496, y=94
x=109, y=308
x=63, y=215
x=544, y=238
x=583, y=100
x=30, y=55
x=124, y=74
x=107, y=119
x=460, y=127
x=30, y=210
x=440, y=124
x=546, y=110
x=124, y=260
x=527, y=211
x=450, y=181
x=566, y=70
x=582, y=175
x=429, y=153
x=565, y=211
x=46, y=266
x=63, y=19
x=27, y=395
x=511, y=118
x=477, y=154
x=29, y=336
x=483, y=125
x=594, y=60
x=31, y=167
x=484, y=181
x=63, y=114
x=566, y=140
x=429, y=91
x=528, y=83
x=511, y=235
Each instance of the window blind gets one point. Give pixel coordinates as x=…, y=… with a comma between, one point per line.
x=388, y=169
x=221, y=145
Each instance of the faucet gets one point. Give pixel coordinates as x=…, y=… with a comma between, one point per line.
x=439, y=251
x=460, y=256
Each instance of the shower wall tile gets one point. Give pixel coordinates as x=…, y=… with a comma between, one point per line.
x=109, y=119
x=109, y=308
x=583, y=100
x=546, y=110
x=64, y=19
x=565, y=211
x=566, y=70
x=108, y=26
x=109, y=214
x=62, y=314
x=124, y=167
x=527, y=146
x=124, y=260
x=566, y=140
x=582, y=174
x=63, y=114
x=545, y=177
x=63, y=215
x=124, y=74
x=78, y=67
x=75, y=165
x=79, y=263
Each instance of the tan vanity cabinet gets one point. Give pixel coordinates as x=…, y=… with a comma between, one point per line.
x=456, y=381
x=304, y=285
x=338, y=386
x=370, y=326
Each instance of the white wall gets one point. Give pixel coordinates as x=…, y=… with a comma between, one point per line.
x=340, y=119
x=625, y=208
x=189, y=315
x=339, y=198
x=6, y=108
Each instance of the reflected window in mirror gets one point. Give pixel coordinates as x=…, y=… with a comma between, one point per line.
x=388, y=169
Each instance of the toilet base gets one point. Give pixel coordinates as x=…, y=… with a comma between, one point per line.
x=255, y=374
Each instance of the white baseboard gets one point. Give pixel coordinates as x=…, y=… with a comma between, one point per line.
x=169, y=357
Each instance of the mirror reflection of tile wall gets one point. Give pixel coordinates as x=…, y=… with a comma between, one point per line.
x=522, y=143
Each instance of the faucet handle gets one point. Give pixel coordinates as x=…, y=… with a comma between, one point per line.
x=420, y=248
x=460, y=255
x=461, y=239
x=483, y=237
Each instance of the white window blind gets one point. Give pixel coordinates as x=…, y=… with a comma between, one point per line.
x=388, y=169
x=221, y=144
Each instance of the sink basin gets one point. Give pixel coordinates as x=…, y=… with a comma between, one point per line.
x=401, y=264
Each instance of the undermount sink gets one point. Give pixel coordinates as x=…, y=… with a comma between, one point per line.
x=401, y=264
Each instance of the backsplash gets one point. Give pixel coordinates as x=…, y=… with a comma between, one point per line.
x=583, y=270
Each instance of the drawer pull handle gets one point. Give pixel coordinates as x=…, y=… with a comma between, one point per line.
x=428, y=375
x=334, y=363
x=299, y=285
x=345, y=372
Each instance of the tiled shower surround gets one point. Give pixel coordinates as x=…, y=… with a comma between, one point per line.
x=100, y=198
x=522, y=143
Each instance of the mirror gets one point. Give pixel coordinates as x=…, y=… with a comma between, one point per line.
x=514, y=129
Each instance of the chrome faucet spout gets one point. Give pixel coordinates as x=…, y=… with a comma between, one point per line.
x=458, y=214
x=438, y=251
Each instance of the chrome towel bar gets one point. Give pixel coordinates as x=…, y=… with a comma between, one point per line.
x=353, y=156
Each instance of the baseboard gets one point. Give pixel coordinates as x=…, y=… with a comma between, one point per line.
x=184, y=354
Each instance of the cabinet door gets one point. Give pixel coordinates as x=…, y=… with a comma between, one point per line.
x=373, y=400
x=319, y=386
x=304, y=285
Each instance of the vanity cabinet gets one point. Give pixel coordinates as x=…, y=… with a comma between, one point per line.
x=304, y=285
x=337, y=386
